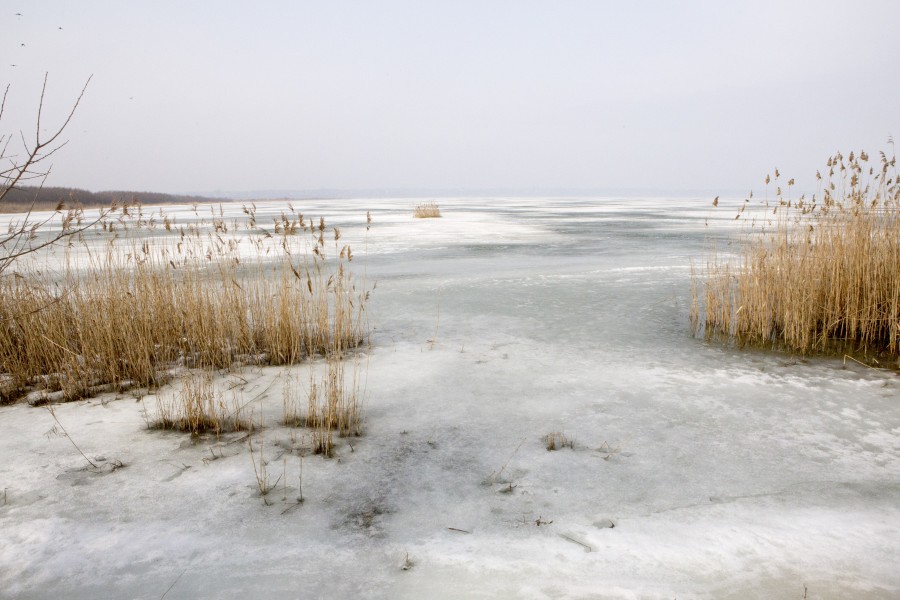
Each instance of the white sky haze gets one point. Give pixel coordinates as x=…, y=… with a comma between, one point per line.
x=195, y=97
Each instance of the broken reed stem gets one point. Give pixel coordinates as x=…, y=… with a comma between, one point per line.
x=813, y=275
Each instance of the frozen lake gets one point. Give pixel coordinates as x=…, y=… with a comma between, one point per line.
x=697, y=470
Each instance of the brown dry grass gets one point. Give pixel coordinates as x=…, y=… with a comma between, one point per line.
x=129, y=311
x=427, y=210
x=819, y=274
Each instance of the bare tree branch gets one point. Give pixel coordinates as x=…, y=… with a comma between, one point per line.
x=3, y=102
x=26, y=165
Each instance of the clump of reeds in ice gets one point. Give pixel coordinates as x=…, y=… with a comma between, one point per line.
x=427, y=210
x=817, y=274
x=200, y=408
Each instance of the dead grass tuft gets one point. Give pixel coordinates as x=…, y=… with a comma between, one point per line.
x=558, y=440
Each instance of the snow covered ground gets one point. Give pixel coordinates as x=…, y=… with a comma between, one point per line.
x=697, y=471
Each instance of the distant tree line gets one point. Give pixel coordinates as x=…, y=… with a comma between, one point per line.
x=21, y=199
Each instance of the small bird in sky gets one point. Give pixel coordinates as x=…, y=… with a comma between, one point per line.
x=716, y=201
x=23, y=45
x=18, y=14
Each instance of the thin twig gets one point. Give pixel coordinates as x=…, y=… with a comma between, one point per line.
x=173, y=584
x=66, y=433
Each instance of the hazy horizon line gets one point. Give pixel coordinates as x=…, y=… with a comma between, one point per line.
x=341, y=193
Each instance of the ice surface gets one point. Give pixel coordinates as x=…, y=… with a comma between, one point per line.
x=725, y=473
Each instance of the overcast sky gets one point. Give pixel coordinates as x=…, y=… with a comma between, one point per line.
x=540, y=96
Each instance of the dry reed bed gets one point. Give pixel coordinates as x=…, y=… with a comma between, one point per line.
x=195, y=296
x=819, y=274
